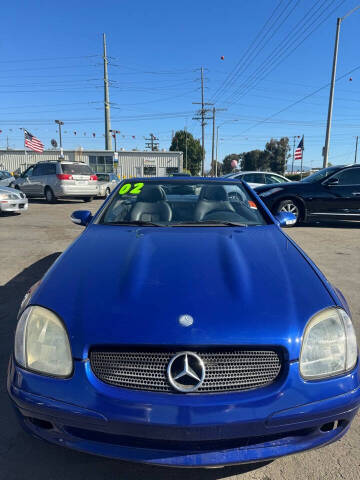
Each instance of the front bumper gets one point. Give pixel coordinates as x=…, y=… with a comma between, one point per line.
x=14, y=205
x=182, y=430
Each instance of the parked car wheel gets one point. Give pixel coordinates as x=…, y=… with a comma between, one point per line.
x=49, y=195
x=290, y=206
x=87, y=199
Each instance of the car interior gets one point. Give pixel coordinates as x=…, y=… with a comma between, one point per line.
x=179, y=203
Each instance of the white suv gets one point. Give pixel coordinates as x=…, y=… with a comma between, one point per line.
x=58, y=179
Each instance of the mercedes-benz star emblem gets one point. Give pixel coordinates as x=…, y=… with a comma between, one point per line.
x=186, y=372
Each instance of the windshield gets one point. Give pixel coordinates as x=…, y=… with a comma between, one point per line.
x=182, y=203
x=320, y=175
x=103, y=177
x=76, y=168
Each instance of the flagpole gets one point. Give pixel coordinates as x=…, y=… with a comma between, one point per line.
x=25, y=149
x=302, y=158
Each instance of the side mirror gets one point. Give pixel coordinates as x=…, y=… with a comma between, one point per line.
x=81, y=217
x=286, y=219
x=332, y=181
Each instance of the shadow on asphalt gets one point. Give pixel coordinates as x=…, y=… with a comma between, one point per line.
x=23, y=457
x=333, y=224
x=61, y=201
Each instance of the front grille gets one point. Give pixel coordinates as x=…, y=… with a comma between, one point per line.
x=226, y=370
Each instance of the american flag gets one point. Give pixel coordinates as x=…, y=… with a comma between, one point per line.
x=32, y=142
x=299, y=150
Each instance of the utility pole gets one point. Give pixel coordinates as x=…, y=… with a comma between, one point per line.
x=152, y=143
x=213, y=142
x=332, y=87
x=108, y=143
x=186, y=155
x=331, y=96
x=217, y=141
x=356, y=145
x=202, y=117
x=214, y=166
x=59, y=122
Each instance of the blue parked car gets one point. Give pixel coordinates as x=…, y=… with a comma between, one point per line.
x=201, y=336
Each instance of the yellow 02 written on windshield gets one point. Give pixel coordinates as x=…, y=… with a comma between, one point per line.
x=133, y=189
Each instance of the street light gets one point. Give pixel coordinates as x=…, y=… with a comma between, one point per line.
x=114, y=132
x=331, y=96
x=59, y=122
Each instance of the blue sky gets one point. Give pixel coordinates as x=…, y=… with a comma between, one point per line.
x=51, y=67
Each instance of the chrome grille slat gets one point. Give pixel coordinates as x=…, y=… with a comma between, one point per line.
x=226, y=371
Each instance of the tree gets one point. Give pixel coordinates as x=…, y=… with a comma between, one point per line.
x=226, y=163
x=254, y=160
x=276, y=154
x=194, y=150
x=212, y=170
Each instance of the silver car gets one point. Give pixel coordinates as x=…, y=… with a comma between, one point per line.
x=106, y=183
x=6, y=179
x=257, y=179
x=12, y=200
x=58, y=179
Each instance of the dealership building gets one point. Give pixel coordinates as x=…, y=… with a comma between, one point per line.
x=126, y=164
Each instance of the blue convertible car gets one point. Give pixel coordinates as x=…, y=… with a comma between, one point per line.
x=201, y=336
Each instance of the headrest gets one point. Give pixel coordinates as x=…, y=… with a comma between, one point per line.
x=215, y=193
x=151, y=194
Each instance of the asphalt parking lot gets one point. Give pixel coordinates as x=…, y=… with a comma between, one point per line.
x=30, y=242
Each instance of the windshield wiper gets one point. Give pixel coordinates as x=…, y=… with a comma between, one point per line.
x=137, y=222
x=212, y=222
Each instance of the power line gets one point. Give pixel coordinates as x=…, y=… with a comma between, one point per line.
x=269, y=66
x=239, y=65
x=301, y=99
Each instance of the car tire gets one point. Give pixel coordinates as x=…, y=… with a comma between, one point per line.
x=290, y=205
x=107, y=192
x=49, y=195
x=88, y=199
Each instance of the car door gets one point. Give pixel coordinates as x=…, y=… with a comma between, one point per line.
x=343, y=197
x=37, y=179
x=254, y=179
x=271, y=178
x=3, y=180
x=25, y=179
x=113, y=181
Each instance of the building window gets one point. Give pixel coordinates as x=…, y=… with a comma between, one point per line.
x=149, y=171
x=101, y=164
x=171, y=170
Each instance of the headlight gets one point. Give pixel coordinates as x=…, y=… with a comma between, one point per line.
x=4, y=196
x=270, y=192
x=42, y=344
x=329, y=345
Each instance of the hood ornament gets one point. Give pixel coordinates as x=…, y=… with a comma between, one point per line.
x=186, y=320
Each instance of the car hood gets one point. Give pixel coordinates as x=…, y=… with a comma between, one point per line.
x=8, y=189
x=124, y=285
x=285, y=186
